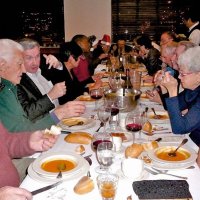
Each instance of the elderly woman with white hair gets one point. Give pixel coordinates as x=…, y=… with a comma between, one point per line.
x=188, y=101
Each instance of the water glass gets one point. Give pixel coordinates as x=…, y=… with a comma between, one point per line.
x=105, y=156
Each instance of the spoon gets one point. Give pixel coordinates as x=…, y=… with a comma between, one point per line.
x=101, y=125
x=155, y=115
x=60, y=167
x=173, y=154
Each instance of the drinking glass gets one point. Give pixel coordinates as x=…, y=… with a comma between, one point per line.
x=99, y=137
x=134, y=122
x=105, y=156
x=96, y=94
x=104, y=114
x=107, y=184
x=112, y=104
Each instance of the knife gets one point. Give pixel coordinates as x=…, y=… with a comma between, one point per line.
x=46, y=188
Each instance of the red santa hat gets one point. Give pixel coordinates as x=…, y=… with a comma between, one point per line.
x=106, y=40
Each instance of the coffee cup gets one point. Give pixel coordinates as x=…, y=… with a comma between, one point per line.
x=132, y=167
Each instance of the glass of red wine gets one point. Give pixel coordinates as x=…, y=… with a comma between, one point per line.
x=99, y=137
x=114, y=109
x=96, y=94
x=134, y=122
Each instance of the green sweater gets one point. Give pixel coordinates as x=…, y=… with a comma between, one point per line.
x=12, y=114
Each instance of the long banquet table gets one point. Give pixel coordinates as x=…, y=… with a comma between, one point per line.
x=65, y=190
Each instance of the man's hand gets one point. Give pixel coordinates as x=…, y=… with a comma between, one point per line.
x=42, y=142
x=70, y=109
x=52, y=61
x=13, y=193
x=58, y=90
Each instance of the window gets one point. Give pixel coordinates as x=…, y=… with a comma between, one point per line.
x=134, y=17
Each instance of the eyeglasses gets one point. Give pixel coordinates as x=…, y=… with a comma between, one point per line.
x=185, y=74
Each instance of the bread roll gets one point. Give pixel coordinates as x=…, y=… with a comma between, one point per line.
x=148, y=128
x=55, y=130
x=80, y=149
x=150, y=145
x=133, y=150
x=78, y=138
x=84, y=185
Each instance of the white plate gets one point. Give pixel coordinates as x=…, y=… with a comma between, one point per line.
x=150, y=116
x=87, y=123
x=81, y=172
x=143, y=176
x=152, y=154
x=159, y=128
x=79, y=160
x=86, y=99
x=167, y=165
x=164, y=166
x=128, y=135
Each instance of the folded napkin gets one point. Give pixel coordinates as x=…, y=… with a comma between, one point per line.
x=162, y=189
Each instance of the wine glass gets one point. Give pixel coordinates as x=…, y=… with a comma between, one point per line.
x=104, y=114
x=134, y=122
x=99, y=137
x=112, y=104
x=96, y=94
x=105, y=156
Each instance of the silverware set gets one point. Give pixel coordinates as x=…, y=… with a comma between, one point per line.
x=157, y=172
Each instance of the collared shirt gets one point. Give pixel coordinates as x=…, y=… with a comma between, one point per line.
x=195, y=34
x=43, y=84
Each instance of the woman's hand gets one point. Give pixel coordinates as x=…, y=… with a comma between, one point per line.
x=170, y=83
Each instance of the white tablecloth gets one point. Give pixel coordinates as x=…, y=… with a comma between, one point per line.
x=65, y=190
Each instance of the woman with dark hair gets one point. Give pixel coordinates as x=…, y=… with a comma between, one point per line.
x=70, y=53
x=150, y=56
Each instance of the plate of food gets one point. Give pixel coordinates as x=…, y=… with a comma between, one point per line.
x=45, y=167
x=160, y=159
x=76, y=123
x=151, y=129
x=126, y=136
x=160, y=117
x=49, y=164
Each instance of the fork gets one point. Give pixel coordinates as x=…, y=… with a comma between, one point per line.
x=157, y=173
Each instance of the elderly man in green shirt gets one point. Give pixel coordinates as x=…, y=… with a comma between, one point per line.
x=12, y=114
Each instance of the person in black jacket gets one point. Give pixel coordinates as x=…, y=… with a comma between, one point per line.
x=70, y=53
x=150, y=56
x=36, y=94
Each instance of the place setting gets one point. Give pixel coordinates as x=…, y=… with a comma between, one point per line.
x=76, y=123
x=50, y=165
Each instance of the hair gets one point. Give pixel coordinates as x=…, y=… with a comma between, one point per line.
x=187, y=44
x=78, y=38
x=191, y=13
x=68, y=49
x=169, y=49
x=170, y=34
x=190, y=59
x=29, y=43
x=8, y=48
x=144, y=40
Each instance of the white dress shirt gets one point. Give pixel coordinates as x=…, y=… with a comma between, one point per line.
x=43, y=84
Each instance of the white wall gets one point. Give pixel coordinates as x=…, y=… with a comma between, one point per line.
x=88, y=17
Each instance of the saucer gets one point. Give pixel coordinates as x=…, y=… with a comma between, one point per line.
x=143, y=176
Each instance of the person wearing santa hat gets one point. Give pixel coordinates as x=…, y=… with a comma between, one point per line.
x=101, y=53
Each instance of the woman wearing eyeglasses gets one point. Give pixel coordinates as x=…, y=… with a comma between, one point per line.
x=184, y=108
